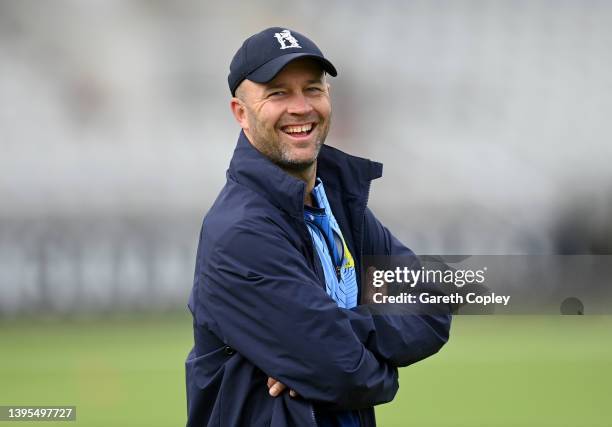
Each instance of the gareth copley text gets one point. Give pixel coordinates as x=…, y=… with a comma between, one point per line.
x=426, y=298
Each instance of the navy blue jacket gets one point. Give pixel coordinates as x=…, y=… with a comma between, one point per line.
x=260, y=308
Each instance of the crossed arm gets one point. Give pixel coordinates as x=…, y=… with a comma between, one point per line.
x=268, y=305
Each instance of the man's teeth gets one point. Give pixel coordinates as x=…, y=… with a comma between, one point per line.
x=298, y=129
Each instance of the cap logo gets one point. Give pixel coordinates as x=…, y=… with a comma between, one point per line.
x=285, y=36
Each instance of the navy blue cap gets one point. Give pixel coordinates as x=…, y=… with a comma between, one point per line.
x=264, y=54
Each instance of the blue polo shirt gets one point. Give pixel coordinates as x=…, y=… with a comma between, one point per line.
x=340, y=278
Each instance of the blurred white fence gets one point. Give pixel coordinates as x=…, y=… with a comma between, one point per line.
x=95, y=265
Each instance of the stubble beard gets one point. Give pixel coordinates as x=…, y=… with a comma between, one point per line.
x=268, y=142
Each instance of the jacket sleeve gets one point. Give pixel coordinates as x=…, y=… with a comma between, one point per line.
x=399, y=335
x=264, y=301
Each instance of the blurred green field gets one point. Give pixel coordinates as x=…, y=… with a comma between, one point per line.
x=495, y=371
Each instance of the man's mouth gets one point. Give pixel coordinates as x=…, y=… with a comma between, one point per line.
x=299, y=131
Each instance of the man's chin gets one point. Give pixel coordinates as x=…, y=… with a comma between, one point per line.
x=296, y=165
x=299, y=159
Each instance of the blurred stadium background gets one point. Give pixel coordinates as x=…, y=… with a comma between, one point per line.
x=492, y=120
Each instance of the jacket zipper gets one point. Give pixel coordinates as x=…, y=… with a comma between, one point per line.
x=365, y=205
x=362, y=421
x=360, y=412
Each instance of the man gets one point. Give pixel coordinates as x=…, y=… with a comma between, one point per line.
x=279, y=337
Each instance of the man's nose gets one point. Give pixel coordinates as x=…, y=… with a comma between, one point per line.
x=299, y=104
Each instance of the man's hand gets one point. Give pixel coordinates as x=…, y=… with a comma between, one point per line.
x=275, y=388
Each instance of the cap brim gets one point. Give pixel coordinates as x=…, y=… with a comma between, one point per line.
x=270, y=69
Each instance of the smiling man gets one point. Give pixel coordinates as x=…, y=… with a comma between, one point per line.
x=287, y=119
x=280, y=337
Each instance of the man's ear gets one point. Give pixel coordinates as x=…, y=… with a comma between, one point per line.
x=328, y=88
x=239, y=111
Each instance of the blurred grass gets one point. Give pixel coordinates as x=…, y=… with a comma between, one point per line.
x=495, y=371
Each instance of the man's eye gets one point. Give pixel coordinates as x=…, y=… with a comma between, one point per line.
x=276, y=93
x=315, y=89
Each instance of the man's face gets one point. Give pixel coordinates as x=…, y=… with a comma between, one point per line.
x=287, y=119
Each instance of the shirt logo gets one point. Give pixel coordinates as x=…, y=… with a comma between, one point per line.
x=285, y=36
x=350, y=262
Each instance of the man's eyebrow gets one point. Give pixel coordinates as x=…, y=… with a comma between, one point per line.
x=273, y=86
x=281, y=84
x=320, y=80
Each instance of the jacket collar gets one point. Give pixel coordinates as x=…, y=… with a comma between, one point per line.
x=345, y=173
